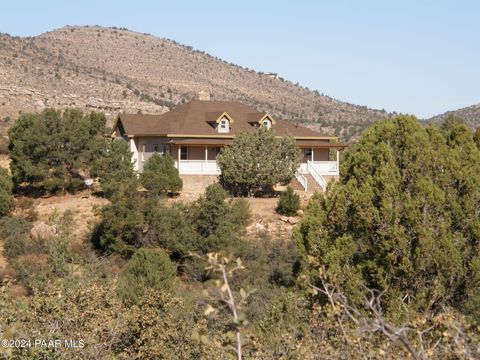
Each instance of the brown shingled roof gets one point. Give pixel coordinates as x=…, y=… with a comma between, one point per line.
x=192, y=119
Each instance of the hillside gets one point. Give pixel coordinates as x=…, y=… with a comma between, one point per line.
x=470, y=114
x=114, y=70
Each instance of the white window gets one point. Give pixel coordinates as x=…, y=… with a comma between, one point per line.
x=267, y=124
x=143, y=147
x=223, y=126
x=307, y=152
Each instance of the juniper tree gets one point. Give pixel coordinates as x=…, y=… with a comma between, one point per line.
x=404, y=217
x=160, y=176
x=52, y=150
x=115, y=167
x=258, y=160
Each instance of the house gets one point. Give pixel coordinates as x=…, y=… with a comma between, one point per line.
x=194, y=133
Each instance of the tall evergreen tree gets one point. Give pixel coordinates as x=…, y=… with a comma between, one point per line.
x=404, y=217
x=160, y=176
x=115, y=167
x=52, y=150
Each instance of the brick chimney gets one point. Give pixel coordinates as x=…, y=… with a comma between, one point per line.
x=203, y=95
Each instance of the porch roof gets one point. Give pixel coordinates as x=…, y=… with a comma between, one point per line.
x=300, y=143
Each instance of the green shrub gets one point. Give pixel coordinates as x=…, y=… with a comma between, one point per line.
x=217, y=222
x=171, y=228
x=289, y=202
x=15, y=235
x=148, y=268
x=52, y=149
x=240, y=212
x=3, y=145
x=6, y=198
x=160, y=176
x=115, y=168
x=121, y=222
x=257, y=161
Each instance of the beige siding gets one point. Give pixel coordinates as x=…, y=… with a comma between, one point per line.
x=320, y=154
x=149, y=143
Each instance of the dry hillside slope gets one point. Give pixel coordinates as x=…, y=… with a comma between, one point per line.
x=470, y=114
x=114, y=70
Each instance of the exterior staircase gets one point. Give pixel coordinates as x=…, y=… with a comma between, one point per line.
x=312, y=185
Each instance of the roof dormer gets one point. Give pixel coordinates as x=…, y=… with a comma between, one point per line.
x=223, y=123
x=266, y=121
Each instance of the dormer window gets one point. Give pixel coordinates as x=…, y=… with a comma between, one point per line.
x=266, y=124
x=224, y=126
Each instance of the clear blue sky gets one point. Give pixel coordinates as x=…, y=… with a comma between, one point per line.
x=412, y=56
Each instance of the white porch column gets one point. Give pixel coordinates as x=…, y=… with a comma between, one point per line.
x=312, y=155
x=133, y=149
x=206, y=154
x=178, y=158
x=338, y=160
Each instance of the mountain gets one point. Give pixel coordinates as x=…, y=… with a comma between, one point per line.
x=113, y=70
x=470, y=114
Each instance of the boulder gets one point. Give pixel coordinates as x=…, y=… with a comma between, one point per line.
x=293, y=220
x=284, y=219
x=259, y=227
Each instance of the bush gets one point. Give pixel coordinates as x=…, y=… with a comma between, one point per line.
x=121, y=222
x=217, y=222
x=148, y=268
x=3, y=145
x=6, y=198
x=115, y=167
x=289, y=202
x=170, y=228
x=240, y=212
x=160, y=176
x=15, y=235
x=257, y=161
x=25, y=208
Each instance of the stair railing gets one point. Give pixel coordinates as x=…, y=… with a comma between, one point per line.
x=316, y=175
x=302, y=180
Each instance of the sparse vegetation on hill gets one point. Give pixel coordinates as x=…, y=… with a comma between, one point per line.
x=470, y=114
x=116, y=70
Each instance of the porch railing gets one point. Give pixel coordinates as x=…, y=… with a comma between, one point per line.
x=193, y=167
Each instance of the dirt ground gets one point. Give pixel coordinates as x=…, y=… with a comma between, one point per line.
x=81, y=204
x=264, y=217
x=4, y=161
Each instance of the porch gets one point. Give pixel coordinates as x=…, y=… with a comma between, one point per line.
x=196, y=160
